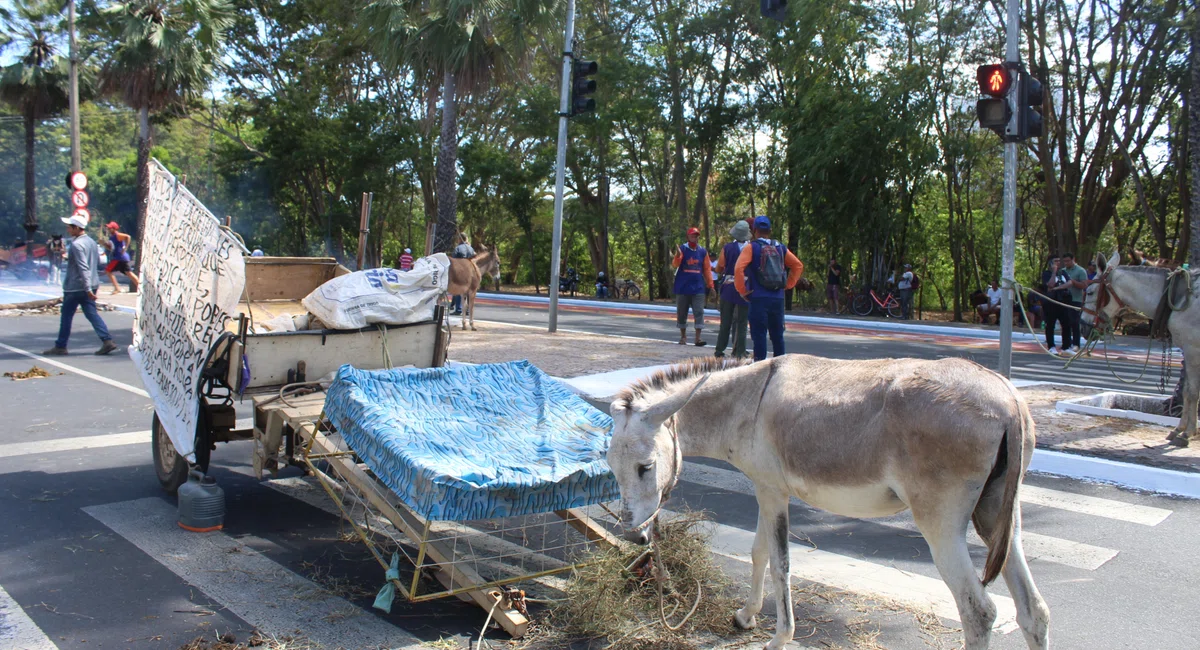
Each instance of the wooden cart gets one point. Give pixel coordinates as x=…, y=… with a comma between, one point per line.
x=273, y=360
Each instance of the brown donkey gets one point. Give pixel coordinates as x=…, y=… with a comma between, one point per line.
x=466, y=276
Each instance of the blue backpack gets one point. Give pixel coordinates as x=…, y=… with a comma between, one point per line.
x=771, y=272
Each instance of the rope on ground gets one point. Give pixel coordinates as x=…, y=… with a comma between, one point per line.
x=659, y=579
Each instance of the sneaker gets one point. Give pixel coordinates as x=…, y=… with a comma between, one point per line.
x=55, y=352
x=1073, y=350
x=108, y=347
x=1054, y=351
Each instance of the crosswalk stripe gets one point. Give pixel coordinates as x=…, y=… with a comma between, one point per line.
x=862, y=577
x=1036, y=546
x=261, y=592
x=80, y=443
x=17, y=630
x=1095, y=506
x=79, y=371
x=74, y=444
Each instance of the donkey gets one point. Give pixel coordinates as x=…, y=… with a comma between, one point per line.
x=1139, y=289
x=949, y=439
x=465, y=277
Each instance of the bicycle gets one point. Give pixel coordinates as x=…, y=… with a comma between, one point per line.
x=627, y=290
x=867, y=302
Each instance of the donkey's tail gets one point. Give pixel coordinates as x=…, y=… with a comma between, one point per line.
x=1010, y=462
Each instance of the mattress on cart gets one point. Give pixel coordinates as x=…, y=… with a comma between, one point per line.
x=475, y=442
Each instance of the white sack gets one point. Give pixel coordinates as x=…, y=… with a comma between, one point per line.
x=387, y=296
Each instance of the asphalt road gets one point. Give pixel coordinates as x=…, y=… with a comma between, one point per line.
x=89, y=555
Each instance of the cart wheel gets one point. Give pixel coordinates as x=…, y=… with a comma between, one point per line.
x=169, y=466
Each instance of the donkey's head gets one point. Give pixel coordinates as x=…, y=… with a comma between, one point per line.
x=489, y=264
x=644, y=454
x=1098, y=307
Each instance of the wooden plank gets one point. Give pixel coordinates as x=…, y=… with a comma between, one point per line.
x=286, y=278
x=593, y=531
x=451, y=574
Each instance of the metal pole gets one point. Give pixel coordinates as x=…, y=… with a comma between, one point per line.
x=76, y=165
x=364, y=228
x=1013, y=55
x=561, y=163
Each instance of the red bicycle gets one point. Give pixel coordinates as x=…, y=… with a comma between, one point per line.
x=867, y=302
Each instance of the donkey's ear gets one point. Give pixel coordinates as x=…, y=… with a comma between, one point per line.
x=1114, y=260
x=1101, y=262
x=658, y=412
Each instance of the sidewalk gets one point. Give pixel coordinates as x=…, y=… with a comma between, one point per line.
x=1124, y=346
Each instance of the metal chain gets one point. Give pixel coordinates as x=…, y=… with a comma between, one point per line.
x=1168, y=355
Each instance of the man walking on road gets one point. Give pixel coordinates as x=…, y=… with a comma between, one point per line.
x=761, y=278
x=80, y=284
x=693, y=281
x=735, y=311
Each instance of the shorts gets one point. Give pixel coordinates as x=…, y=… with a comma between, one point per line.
x=117, y=266
x=831, y=291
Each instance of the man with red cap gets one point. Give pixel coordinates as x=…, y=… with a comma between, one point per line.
x=693, y=281
x=118, y=257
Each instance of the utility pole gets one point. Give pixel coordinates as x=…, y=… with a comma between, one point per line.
x=1012, y=54
x=564, y=111
x=364, y=228
x=76, y=165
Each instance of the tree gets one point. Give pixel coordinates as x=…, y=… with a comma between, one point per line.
x=36, y=85
x=157, y=55
x=470, y=44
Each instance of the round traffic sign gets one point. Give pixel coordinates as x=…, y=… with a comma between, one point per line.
x=79, y=198
x=78, y=180
x=82, y=212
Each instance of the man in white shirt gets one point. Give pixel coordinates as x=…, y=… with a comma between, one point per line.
x=906, y=292
x=993, y=304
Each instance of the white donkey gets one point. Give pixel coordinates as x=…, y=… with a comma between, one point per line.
x=1139, y=289
x=948, y=439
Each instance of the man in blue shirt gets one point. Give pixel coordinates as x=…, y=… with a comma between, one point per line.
x=766, y=293
x=80, y=284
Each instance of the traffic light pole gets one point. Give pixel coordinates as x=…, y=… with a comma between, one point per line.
x=1009, y=241
x=73, y=98
x=564, y=110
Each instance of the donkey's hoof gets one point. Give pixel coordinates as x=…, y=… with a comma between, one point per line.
x=474, y=329
x=740, y=621
x=1180, y=440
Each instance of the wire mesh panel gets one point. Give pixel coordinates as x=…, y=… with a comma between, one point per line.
x=446, y=558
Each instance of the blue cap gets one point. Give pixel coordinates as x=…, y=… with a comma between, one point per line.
x=762, y=223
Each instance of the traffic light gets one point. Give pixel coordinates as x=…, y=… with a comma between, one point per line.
x=1029, y=107
x=994, y=111
x=775, y=9
x=582, y=87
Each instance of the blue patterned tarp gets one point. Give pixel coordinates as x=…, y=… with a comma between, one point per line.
x=475, y=442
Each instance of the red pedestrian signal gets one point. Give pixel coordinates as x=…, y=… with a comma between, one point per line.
x=994, y=80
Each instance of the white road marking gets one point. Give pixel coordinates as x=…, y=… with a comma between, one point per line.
x=260, y=591
x=862, y=577
x=1037, y=547
x=17, y=630
x=82, y=373
x=86, y=442
x=74, y=444
x=1095, y=506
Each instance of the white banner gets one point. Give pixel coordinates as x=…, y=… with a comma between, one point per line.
x=193, y=276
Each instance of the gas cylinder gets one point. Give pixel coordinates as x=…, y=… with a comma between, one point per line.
x=201, y=504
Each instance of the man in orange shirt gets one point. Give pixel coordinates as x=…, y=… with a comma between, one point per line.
x=693, y=281
x=764, y=271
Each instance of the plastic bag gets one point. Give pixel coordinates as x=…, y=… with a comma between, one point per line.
x=387, y=296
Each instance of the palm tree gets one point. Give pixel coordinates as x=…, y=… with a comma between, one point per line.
x=157, y=55
x=470, y=44
x=36, y=84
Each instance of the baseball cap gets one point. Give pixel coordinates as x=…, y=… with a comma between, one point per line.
x=693, y=231
x=408, y=250
x=75, y=220
x=908, y=266
x=762, y=223
x=113, y=224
